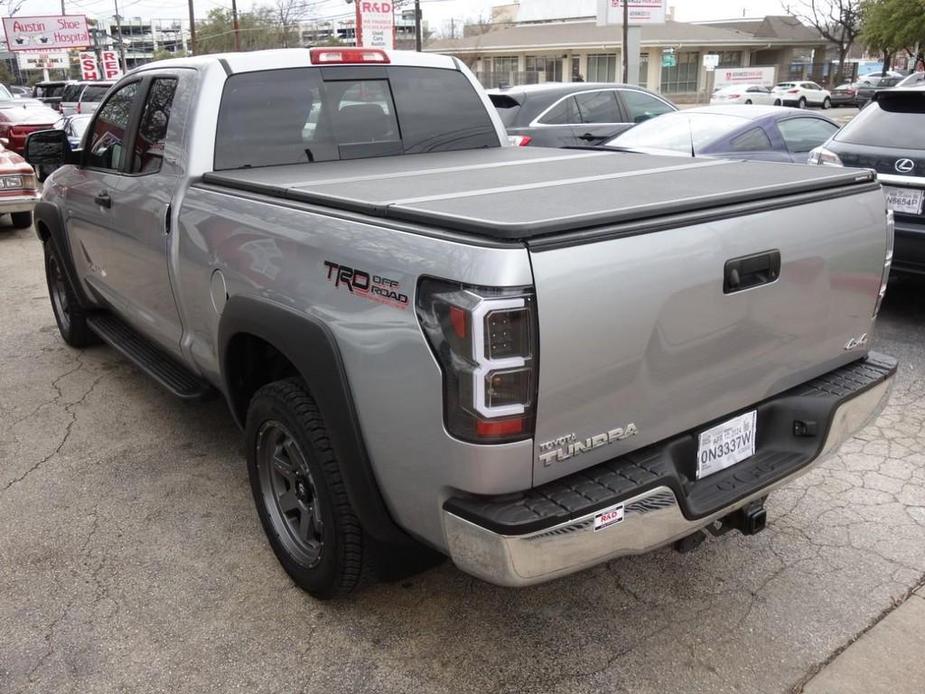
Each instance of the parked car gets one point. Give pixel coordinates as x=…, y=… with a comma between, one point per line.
x=74, y=127
x=19, y=117
x=745, y=94
x=559, y=114
x=18, y=189
x=844, y=94
x=866, y=86
x=50, y=92
x=913, y=80
x=887, y=136
x=766, y=133
x=82, y=97
x=532, y=360
x=803, y=94
x=19, y=91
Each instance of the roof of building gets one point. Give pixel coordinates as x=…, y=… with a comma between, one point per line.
x=569, y=35
x=771, y=27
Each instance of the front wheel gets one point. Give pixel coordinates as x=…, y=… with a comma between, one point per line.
x=21, y=220
x=300, y=495
x=748, y=102
x=70, y=317
x=827, y=104
x=777, y=102
x=802, y=102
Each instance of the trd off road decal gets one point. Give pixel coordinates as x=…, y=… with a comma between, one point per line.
x=367, y=285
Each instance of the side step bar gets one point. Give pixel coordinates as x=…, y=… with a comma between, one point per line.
x=173, y=376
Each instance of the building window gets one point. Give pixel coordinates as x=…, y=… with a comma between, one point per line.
x=602, y=67
x=505, y=63
x=682, y=78
x=541, y=68
x=729, y=58
x=643, y=70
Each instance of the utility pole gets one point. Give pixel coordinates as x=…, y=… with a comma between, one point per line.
x=62, y=7
x=192, y=29
x=626, y=40
x=418, y=38
x=121, y=41
x=234, y=19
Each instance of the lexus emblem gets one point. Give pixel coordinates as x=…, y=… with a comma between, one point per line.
x=904, y=165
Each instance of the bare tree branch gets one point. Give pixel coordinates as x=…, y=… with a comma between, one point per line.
x=837, y=21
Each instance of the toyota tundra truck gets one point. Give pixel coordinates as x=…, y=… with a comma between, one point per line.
x=530, y=360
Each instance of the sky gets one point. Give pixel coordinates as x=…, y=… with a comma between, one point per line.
x=437, y=13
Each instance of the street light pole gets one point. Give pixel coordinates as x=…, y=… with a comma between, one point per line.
x=192, y=29
x=418, y=38
x=626, y=40
x=121, y=40
x=234, y=19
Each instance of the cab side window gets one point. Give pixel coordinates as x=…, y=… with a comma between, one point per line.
x=152, y=130
x=563, y=113
x=107, y=141
x=641, y=106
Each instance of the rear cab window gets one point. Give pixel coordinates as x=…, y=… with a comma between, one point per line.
x=303, y=115
x=94, y=92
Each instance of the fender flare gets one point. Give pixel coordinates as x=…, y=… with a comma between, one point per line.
x=311, y=347
x=48, y=215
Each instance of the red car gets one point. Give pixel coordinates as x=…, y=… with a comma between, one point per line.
x=19, y=117
x=18, y=191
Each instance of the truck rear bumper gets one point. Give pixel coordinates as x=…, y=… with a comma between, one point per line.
x=549, y=531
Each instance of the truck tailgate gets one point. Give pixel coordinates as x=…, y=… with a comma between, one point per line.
x=639, y=329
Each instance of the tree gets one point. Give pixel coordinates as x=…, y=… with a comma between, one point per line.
x=288, y=14
x=837, y=21
x=894, y=25
x=259, y=29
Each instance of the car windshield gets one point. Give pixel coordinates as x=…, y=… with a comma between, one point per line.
x=507, y=107
x=678, y=132
x=896, y=119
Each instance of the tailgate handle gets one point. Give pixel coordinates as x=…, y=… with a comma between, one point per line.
x=751, y=271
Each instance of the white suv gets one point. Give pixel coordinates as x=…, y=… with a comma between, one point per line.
x=803, y=94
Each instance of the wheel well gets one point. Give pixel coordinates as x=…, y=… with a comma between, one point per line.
x=43, y=231
x=250, y=363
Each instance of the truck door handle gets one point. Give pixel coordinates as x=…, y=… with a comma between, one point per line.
x=103, y=200
x=751, y=271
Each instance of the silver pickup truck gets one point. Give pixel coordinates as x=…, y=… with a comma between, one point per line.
x=530, y=360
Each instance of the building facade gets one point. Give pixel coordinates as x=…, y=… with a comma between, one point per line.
x=549, y=49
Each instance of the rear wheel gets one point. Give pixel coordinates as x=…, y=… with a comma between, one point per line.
x=802, y=102
x=70, y=317
x=827, y=103
x=21, y=220
x=300, y=495
x=777, y=102
x=748, y=101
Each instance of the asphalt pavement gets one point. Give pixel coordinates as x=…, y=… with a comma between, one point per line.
x=131, y=558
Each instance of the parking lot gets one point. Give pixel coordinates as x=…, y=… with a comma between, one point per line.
x=131, y=556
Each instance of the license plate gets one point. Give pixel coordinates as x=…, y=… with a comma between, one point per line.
x=726, y=444
x=904, y=200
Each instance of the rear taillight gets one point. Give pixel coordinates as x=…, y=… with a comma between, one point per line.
x=485, y=340
x=335, y=56
x=734, y=96
x=793, y=91
x=887, y=260
x=520, y=140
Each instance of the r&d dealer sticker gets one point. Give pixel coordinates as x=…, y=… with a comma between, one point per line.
x=607, y=517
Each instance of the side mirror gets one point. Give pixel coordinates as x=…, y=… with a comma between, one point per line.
x=47, y=150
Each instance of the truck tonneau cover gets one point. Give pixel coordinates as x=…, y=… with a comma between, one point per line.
x=522, y=193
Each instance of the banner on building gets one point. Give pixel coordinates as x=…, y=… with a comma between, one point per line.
x=43, y=61
x=46, y=33
x=89, y=69
x=640, y=12
x=375, y=24
x=109, y=65
x=764, y=76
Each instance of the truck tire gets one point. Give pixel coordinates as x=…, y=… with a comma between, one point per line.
x=21, y=220
x=300, y=495
x=70, y=317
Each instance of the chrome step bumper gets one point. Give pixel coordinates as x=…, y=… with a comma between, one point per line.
x=651, y=519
